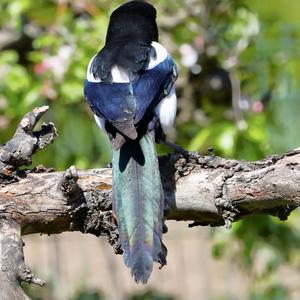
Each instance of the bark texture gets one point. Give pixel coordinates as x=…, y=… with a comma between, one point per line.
x=207, y=190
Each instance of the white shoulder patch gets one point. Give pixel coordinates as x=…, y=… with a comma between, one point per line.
x=161, y=55
x=166, y=110
x=117, y=74
x=89, y=75
x=100, y=122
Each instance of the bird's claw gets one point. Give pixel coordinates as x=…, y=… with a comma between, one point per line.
x=177, y=148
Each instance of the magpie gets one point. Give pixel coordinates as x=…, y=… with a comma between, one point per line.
x=130, y=88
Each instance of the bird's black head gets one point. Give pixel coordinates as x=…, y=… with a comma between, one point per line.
x=132, y=28
x=134, y=20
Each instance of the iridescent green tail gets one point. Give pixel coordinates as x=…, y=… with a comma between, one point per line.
x=138, y=204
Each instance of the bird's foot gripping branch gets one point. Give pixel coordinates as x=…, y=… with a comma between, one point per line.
x=207, y=190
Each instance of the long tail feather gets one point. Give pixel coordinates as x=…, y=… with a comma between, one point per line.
x=138, y=204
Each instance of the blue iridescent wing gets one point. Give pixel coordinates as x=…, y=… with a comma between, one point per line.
x=113, y=102
x=120, y=102
x=153, y=86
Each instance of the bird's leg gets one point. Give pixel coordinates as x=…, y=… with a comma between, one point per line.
x=160, y=138
x=176, y=147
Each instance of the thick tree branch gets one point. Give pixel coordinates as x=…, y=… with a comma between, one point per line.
x=207, y=190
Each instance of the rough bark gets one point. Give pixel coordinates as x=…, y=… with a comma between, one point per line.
x=12, y=265
x=207, y=190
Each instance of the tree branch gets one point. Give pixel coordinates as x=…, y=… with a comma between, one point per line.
x=12, y=266
x=207, y=190
x=19, y=150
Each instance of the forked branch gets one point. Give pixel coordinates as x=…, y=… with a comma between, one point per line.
x=207, y=190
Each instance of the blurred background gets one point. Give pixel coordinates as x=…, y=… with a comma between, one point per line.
x=238, y=93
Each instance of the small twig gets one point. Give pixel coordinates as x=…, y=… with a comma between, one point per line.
x=69, y=184
x=26, y=275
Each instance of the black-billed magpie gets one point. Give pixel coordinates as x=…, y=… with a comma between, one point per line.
x=130, y=89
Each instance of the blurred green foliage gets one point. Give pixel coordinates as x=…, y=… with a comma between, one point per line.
x=238, y=93
x=150, y=295
x=37, y=293
x=90, y=295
